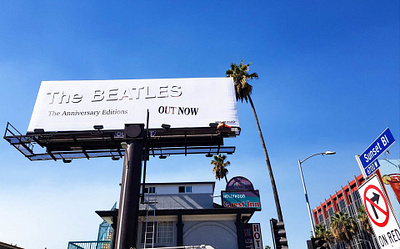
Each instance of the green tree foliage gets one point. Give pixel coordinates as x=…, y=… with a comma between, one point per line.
x=322, y=232
x=343, y=228
x=220, y=165
x=240, y=75
x=363, y=218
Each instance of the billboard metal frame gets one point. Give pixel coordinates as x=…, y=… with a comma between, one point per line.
x=97, y=143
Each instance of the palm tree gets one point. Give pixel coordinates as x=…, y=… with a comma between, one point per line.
x=219, y=168
x=243, y=91
x=322, y=232
x=363, y=218
x=343, y=228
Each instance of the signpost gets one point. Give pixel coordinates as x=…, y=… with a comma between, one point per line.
x=380, y=213
x=367, y=160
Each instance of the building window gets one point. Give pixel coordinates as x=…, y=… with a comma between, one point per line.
x=321, y=218
x=150, y=190
x=165, y=232
x=342, y=205
x=330, y=211
x=185, y=189
x=356, y=195
x=352, y=211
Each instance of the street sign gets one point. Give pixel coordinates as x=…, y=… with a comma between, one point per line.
x=368, y=157
x=380, y=213
x=370, y=169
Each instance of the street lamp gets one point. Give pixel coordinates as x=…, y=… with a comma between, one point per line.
x=304, y=186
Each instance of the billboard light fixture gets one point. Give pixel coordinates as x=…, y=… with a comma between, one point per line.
x=236, y=130
x=115, y=158
x=209, y=155
x=67, y=160
x=163, y=157
x=213, y=125
x=98, y=127
x=166, y=126
x=38, y=130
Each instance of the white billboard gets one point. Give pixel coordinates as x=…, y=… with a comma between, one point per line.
x=181, y=103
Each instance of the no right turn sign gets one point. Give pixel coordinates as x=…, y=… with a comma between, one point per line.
x=384, y=223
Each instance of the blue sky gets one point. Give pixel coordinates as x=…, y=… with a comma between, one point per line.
x=329, y=80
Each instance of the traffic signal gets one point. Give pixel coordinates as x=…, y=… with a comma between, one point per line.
x=279, y=234
x=319, y=243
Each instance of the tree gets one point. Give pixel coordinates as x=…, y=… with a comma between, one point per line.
x=343, y=228
x=322, y=232
x=363, y=218
x=220, y=165
x=243, y=91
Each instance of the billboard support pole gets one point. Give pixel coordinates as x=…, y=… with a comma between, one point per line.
x=130, y=197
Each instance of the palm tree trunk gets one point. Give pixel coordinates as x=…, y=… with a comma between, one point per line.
x=271, y=174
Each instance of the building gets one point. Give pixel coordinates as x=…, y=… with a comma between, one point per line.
x=184, y=214
x=348, y=200
x=8, y=246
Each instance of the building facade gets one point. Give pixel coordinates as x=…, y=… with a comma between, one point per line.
x=176, y=214
x=184, y=214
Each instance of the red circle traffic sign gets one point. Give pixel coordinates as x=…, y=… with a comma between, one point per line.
x=375, y=207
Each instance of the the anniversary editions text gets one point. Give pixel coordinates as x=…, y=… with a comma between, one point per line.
x=88, y=113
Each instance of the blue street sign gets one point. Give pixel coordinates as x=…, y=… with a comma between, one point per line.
x=380, y=145
x=370, y=169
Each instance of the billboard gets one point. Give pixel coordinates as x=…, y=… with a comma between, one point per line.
x=390, y=172
x=181, y=103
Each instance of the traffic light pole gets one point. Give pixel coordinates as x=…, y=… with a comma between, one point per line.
x=130, y=196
